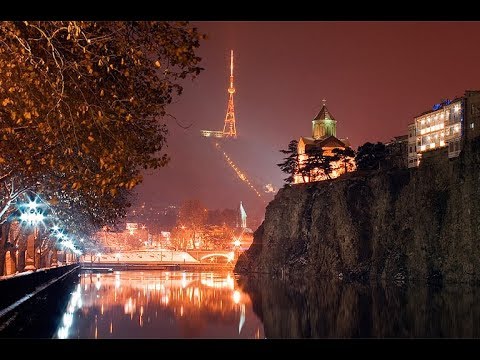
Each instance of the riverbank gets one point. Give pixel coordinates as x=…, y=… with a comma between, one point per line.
x=406, y=224
x=33, y=303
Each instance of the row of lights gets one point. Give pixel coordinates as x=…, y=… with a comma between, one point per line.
x=31, y=214
x=442, y=115
x=239, y=173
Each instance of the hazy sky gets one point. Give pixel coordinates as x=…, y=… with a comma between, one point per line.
x=376, y=76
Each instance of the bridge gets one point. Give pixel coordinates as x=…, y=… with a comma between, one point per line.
x=160, y=259
x=214, y=255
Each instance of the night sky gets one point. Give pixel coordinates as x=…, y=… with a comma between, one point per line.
x=375, y=76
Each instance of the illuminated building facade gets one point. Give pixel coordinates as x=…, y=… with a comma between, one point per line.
x=324, y=131
x=446, y=125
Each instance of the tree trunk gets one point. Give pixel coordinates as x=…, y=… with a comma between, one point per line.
x=53, y=258
x=3, y=252
x=21, y=260
x=3, y=255
x=13, y=260
x=37, y=260
x=31, y=253
x=193, y=241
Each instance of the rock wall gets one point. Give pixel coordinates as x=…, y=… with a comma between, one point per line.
x=421, y=224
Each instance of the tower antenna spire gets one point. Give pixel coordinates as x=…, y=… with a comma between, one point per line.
x=229, y=129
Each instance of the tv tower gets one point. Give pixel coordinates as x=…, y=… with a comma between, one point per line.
x=229, y=128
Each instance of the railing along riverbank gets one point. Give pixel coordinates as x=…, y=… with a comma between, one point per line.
x=31, y=302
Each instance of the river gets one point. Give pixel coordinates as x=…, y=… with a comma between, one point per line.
x=159, y=304
x=162, y=304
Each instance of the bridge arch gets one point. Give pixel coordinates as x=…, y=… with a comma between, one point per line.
x=228, y=256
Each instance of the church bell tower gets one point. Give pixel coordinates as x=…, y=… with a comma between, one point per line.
x=324, y=124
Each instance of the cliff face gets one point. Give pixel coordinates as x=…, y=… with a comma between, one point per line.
x=421, y=224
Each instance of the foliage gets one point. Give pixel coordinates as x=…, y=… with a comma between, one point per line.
x=318, y=165
x=82, y=112
x=290, y=164
x=227, y=217
x=81, y=103
x=370, y=156
x=193, y=216
x=218, y=237
x=346, y=155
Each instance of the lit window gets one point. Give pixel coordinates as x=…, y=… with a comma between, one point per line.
x=432, y=145
x=442, y=143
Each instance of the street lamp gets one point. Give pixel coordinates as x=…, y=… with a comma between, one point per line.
x=31, y=216
x=236, y=244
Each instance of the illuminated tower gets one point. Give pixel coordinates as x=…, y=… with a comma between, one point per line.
x=324, y=124
x=243, y=216
x=229, y=127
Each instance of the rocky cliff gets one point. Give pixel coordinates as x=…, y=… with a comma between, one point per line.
x=417, y=224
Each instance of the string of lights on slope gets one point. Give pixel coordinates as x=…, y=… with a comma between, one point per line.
x=241, y=175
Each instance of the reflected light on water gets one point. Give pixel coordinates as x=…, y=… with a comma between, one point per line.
x=159, y=304
x=74, y=303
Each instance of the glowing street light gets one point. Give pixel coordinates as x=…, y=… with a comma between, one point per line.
x=31, y=216
x=32, y=205
x=30, y=213
x=237, y=243
x=236, y=296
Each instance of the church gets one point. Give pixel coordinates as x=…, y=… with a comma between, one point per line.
x=324, y=136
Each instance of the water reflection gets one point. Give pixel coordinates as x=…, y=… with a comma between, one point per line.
x=326, y=309
x=159, y=304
